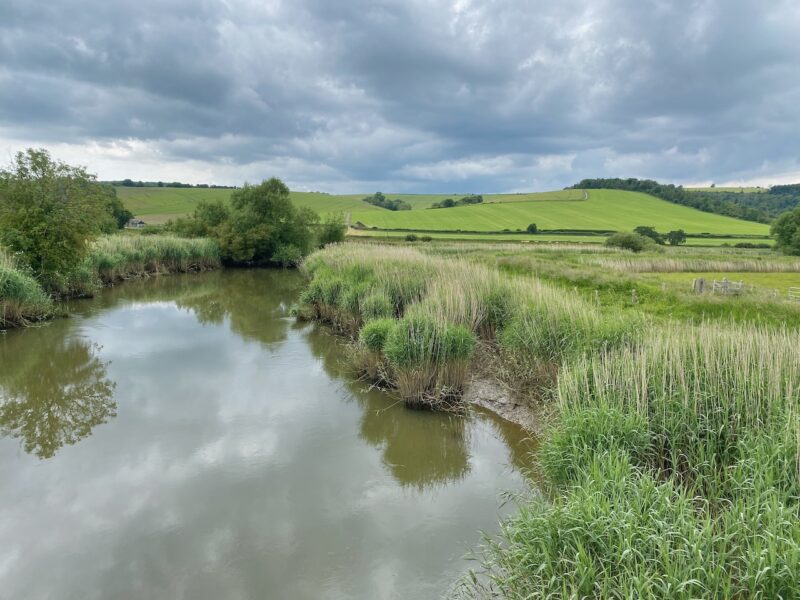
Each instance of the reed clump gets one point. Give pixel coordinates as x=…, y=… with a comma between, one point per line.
x=117, y=257
x=440, y=303
x=673, y=472
x=113, y=258
x=22, y=298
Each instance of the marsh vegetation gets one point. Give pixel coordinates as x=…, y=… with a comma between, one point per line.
x=670, y=460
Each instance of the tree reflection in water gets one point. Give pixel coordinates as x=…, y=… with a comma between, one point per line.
x=253, y=300
x=52, y=393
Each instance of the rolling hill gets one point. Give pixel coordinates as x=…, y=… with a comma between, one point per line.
x=572, y=209
x=603, y=210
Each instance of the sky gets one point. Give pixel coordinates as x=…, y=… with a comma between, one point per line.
x=406, y=95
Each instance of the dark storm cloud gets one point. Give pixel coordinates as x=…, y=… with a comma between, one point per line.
x=489, y=95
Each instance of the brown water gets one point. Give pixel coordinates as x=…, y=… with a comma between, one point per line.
x=183, y=437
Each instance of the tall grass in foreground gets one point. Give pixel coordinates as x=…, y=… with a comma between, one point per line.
x=22, y=298
x=441, y=307
x=674, y=473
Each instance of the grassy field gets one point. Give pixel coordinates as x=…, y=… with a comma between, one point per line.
x=766, y=281
x=158, y=205
x=605, y=209
x=379, y=234
x=566, y=209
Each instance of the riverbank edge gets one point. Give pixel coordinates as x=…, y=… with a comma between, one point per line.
x=110, y=267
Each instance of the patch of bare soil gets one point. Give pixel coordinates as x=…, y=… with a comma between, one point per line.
x=492, y=395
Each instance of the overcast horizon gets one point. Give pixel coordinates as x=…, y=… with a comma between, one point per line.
x=406, y=96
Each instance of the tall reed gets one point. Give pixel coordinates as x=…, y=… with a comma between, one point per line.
x=537, y=326
x=119, y=257
x=22, y=298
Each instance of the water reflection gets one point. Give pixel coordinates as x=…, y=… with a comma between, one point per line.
x=244, y=462
x=53, y=391
x=252, y=300
x=420, y=449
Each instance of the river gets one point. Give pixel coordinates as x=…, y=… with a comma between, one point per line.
x=183, y=437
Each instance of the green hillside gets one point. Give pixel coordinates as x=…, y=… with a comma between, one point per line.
x=565, y=209
x=158, y=205
x=604, y=209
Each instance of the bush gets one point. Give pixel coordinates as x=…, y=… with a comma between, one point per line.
x=628, y=241
x=786, y=230
x=332, y=230
x=649, y=232
x=532, y=228
x=411, y=237
x=426, y=238
x=49, y=212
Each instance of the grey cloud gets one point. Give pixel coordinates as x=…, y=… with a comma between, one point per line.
x=389, y=92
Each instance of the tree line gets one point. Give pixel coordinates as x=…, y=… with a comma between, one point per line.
x=378, y=199
x=750, y=206
x=169, y=184
x=465, y=201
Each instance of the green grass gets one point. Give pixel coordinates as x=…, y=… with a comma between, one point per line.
x=766, y=281
x=604, y=210
x=158, y=205
x=379, y=234
x=566, y=209
x=670, y=464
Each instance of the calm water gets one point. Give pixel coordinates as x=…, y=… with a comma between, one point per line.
x=184, y=438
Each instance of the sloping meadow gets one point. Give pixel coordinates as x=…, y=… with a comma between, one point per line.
x=671, y=463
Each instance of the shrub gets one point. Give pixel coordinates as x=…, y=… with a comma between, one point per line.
x=426, y=238
x=628, y=241
x=786, y=230
x=411, y=237
x=649, y=232
x=332, y=230
x=49, y=212
x=532, y=228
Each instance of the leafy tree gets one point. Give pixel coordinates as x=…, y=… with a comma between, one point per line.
x=261, y=226
x=119, y=214
x=786, y=230
x=532, y=228
x=49, y=211
x=206, y=218
x=649, y=232
x=676, y=237
x=332, y=230
x=629, y=241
